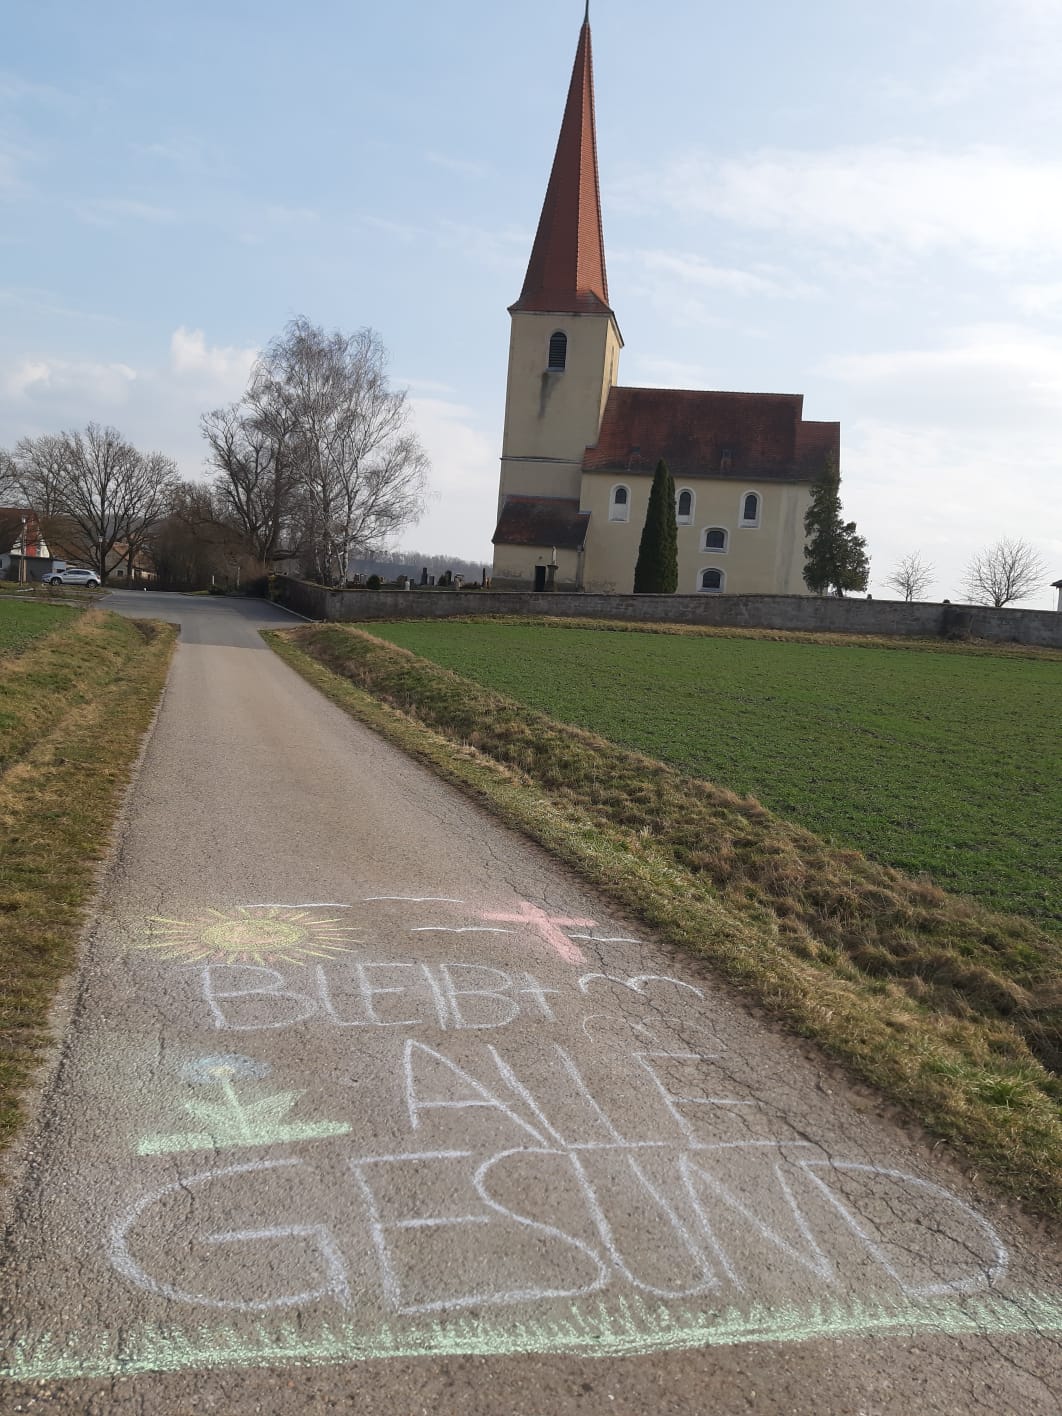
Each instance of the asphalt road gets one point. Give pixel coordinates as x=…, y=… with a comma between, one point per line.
x=365, y=1104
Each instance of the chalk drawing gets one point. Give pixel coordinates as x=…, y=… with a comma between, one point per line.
x=264, y=984
x=636, y=983
x=415, y=899
x=548, y=927
x=597, y=1027
x=253, y=998
x=992, y=1272
x=594, y=1328
x=606, y=938
x=302, y=905
x=235, y=1121
x=336, y=1286
x=252, y=934
x=447, y=1073
x=467, y=929
x=456, y=1301
x=365, y=992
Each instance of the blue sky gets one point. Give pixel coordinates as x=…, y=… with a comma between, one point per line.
x=857, y=202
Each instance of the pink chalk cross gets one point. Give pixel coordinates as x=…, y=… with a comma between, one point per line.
x=547, y=927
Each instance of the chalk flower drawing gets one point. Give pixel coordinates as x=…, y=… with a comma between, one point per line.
x=253, y=934
x=232, y=1121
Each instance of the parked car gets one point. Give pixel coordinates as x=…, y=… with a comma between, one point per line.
x=72, y=575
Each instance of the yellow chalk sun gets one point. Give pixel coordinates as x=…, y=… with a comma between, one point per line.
x=256, y=934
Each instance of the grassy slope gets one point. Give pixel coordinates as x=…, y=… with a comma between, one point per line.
x=23, y=621
x=951, y=762
x=72, y=715
x=952, y=1012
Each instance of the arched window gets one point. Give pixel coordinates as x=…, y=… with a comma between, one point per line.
x=712, y=581
x=558, y=350
x=619, y=504
x=750, y=509
x=715, y=539
x=684, y=507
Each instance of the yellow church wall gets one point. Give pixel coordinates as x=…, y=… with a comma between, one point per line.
x=514, y=567
x=762, y=560
x=552, y=416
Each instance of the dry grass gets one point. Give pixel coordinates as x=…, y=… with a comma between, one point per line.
x=951, y=1011
x=72, y=715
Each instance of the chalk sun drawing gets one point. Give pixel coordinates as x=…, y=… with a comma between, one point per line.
x=252, y=934
x=234, y=1121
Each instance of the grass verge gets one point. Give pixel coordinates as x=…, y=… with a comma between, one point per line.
x=72, y=716
x=951, y=1011
x=24, y=621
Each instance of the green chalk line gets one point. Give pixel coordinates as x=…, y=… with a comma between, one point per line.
x=628, y=1328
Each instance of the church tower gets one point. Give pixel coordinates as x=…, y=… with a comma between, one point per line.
x=563, y=354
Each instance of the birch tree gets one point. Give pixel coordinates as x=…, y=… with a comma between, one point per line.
x=359, y=470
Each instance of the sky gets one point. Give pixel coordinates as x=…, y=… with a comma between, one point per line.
x=858, y=202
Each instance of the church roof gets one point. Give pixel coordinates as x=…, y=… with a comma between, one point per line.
x=733, y=435
x=542, y=521
x=566, y=272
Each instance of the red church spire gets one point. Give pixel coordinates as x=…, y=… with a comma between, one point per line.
x=567, y=267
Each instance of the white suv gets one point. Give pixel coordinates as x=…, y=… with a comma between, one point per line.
x=73, y=575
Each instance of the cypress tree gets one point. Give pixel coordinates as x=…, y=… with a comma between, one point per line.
x=656, y=572
x=835, y=557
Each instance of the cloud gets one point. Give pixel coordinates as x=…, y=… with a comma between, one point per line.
x=692, y=270
x=68, y=382
x=1043, y=299
x=225, y=367
x=987, y=375
x=459, y=518
x=948, y=493
x=984, y=199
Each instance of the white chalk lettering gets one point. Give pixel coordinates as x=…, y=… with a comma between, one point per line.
x=499, y=1012
x=646, y=1059
x=262, y=984
x=336, y=1285
x=366, y=991
x=447, y=1073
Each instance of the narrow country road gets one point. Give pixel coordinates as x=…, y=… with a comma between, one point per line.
x=365, y=1104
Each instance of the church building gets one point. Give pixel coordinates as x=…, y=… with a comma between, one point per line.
x=579, y=450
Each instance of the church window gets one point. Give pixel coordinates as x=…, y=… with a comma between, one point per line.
x=684, y=507
x=558, y=351
x=619, y=504
x=750, y=509
x=715, y=539
x=712, y=581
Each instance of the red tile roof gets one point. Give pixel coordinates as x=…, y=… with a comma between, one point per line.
x=542, y=521
x=736, y=435
x=567, y=267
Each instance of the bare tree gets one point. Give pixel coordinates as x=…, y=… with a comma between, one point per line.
x=1009, y=570
x=11, y=505
x=912, y=577
x=193, y=547
x=359, y=472
x=93, y=491
x=256, y=484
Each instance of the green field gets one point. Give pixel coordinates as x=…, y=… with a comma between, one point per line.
x=23, y=620
x=948, y=764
